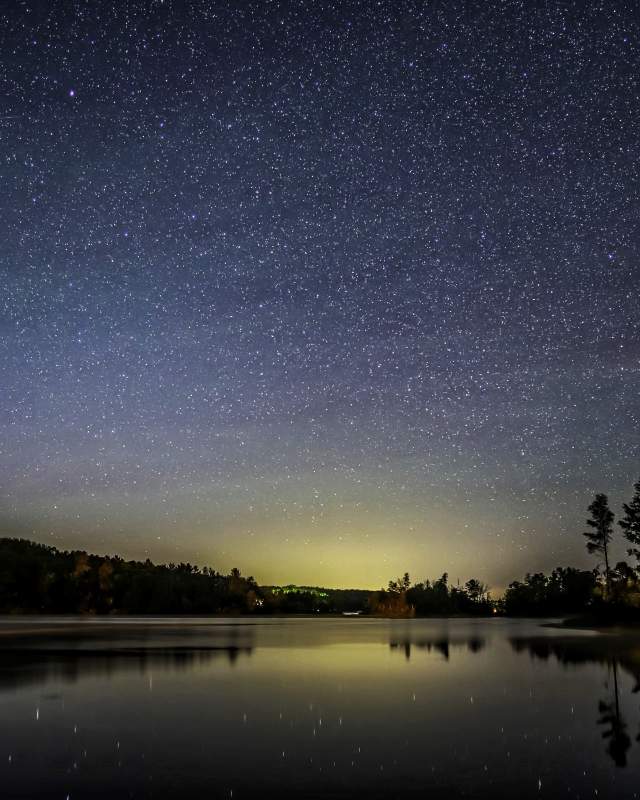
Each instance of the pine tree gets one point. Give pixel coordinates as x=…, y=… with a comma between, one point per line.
x=475, y=589
x=631, y=523
x=598, y=539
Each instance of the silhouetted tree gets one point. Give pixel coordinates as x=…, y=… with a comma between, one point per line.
x=566, y=590
x=438, y=598
x=623, y=586
x=598, y=538
x=401, y=585
x=630, y=523
x=475, y=589
x=394, y=601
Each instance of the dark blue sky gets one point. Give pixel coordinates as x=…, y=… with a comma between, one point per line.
x=327, y=291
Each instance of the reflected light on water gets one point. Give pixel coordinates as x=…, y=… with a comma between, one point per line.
x=321, y=708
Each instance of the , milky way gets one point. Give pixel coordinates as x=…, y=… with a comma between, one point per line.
x=324, y=290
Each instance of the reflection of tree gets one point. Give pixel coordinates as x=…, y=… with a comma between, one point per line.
x=441, y=645
x=32, y=667
x=612, y=651
x=619, y=740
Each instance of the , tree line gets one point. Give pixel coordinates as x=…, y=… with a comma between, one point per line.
x=36, y=578
x=437, y=598
x=605, y=590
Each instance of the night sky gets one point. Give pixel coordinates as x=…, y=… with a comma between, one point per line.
x=327, y=291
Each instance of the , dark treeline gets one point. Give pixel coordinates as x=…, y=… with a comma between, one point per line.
x=36, y=578
x=437, y=598
x=566, y=591
x=604, y=591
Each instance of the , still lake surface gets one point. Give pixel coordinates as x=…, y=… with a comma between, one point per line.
x=333, y=708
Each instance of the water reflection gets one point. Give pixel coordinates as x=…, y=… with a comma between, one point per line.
x=613, y=651
x=66, y=652
x=316, y=708
x=616, y=728
x=440, y=645
x=24, y=668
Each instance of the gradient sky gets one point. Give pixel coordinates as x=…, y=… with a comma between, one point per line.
x=327, y=291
